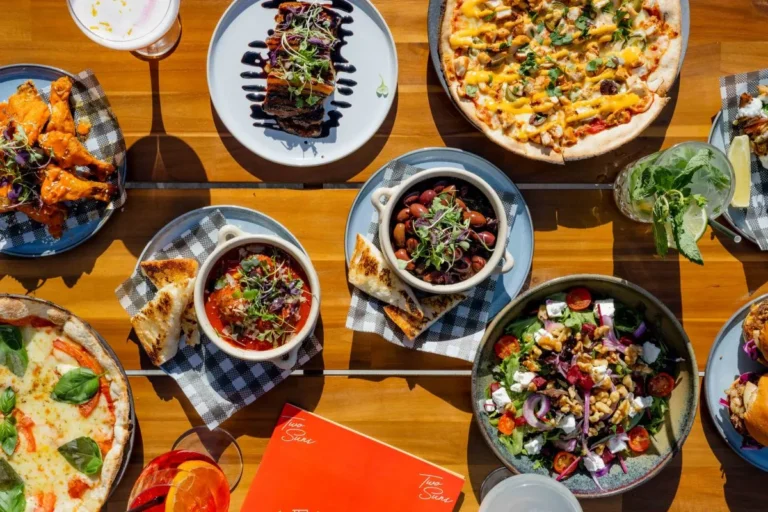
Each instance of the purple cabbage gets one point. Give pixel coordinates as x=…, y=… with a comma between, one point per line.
x=750, y=348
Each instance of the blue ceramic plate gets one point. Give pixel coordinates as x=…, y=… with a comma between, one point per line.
x=682, y=404
x=10, y=78
x=736, y=216
x=250, y=221
x=521, y=230
x=726, y=362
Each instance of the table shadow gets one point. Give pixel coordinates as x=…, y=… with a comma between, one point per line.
x=744, y=485
x=118, y=501
x=456, y=131
x=753, y=261
x=158, y=156
x=338, y=171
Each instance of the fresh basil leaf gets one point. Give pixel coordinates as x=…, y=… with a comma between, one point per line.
x=76, y=386
x=9, y=479
x=9, y=437
x=11, y=336
x=15, y=360
x=83, y=454
x=13, y=500
x=7, y=401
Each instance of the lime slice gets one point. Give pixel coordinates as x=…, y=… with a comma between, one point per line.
x=695, y=222
x=741, y=160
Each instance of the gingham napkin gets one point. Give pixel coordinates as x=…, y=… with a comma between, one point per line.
x=459, y=332
x=216, y=384
x=105, y=141
x=731, y=87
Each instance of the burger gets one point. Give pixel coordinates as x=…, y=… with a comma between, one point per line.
x=756, y=332
x=747, y=402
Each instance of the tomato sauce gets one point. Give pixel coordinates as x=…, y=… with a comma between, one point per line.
x=217, y=302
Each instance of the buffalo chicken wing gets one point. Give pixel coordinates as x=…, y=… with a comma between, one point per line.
x=61, y=115
x=29, y=111
x=69, y=152
x=60, y=185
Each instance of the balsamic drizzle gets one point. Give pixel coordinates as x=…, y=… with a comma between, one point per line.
x=344, y=86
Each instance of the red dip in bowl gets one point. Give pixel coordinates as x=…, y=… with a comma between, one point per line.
x=257, y=297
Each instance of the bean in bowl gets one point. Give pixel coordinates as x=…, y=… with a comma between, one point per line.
x=444, y=231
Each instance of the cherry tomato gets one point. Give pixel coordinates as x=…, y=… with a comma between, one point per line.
x=563, y=461
x=507, y=424
x=495, y=386
x=626, y=341
x=519, y=422
x=578, y=299
x=661, y=385
x=596, y=126
x=506, y=346
x=639, y=441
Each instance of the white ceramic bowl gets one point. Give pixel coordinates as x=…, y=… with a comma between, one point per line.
x=391, y=198
x=231, y=237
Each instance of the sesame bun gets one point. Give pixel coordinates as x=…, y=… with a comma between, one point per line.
x=756, y=417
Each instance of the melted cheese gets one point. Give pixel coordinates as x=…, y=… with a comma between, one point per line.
x=603, y=105
x=478, y=77
x=463, y=38
x=56, y=423
x=605, y=29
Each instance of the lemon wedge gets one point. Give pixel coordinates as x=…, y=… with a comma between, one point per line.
x=741, y=160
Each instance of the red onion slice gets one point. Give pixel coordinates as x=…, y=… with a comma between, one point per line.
x=586, y=413
x=622, y=464
x=568, y=445
x=640, y=330
x=570, y=469
x=529, y=407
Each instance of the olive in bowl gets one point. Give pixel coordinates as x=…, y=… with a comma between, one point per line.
x=443, y=230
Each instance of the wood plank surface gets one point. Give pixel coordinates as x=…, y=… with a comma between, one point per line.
x=175, y=136
x=575, y=232
x=431, y=418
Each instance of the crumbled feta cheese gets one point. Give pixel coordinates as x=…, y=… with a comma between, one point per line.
x=523, y=378
x=605, y=308
x=500, y=397
x=504, y=13
x=541, y=333
x=489, y=406
x=752, y=109
x=650, y=352
x=556, y=309
x=593, y=463
x=639, y=403
x=534, y=446
x=616, y=444
x=567, y=423
x=516, y=387
x=61, y=369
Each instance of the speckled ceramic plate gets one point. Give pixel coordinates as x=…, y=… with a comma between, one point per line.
x=726, y=362
x=683, y=402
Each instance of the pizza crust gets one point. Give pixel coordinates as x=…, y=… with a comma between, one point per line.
x=594, y=145
x=15, y=308
x=615, y=137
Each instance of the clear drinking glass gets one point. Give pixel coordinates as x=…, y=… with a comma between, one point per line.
x=530, y=493
x=149, y=28
x=674, y=158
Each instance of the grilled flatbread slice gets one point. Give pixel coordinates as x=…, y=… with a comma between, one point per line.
x=434, y=308
x=158, y=324
x=369, y=272
x=164, y=272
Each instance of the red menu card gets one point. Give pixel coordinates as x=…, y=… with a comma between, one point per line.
x=314, y=465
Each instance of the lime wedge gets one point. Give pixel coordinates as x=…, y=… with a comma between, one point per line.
x=741, y=160
x=695, y=222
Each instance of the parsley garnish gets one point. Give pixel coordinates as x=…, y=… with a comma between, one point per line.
x=583, y=23
x=623, y=24
x=529, y=65
x=471, y=90
x=559, y=39
x=552, y=88
x=594, y=65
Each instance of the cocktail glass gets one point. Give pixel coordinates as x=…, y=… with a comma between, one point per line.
x=149, y=28
x=675, y=159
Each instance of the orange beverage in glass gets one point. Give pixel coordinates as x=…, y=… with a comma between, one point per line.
x=180, y=481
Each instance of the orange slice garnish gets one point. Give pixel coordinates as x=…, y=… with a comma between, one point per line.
x=199, y=486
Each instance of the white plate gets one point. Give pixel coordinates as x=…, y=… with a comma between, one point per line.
x=369, y=50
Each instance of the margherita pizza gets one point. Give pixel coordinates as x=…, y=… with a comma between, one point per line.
x=64, y=411
x=561, y=80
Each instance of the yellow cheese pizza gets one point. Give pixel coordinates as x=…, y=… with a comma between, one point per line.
x=64, y=411
x=561, y=80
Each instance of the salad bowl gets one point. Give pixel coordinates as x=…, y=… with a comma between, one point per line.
x=673, y=426
x=231, y=238
x=388, y=201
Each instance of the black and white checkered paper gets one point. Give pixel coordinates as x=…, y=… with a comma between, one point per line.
x=731, y=87
x=105, y=141
x=216, y=384
x=459, y=332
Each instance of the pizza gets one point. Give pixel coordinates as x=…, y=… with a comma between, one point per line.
x=559, y=81
x=64, y=411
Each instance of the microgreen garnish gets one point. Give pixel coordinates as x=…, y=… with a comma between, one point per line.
x=268, y=297
x=305, y=58
x=382, y=90
x=19, y=165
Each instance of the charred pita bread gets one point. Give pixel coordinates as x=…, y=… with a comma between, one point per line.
x=369, y=272
x=434, y=308
x=158, y=324
x=164, y=272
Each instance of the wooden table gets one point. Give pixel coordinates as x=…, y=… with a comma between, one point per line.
x=415, y=401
